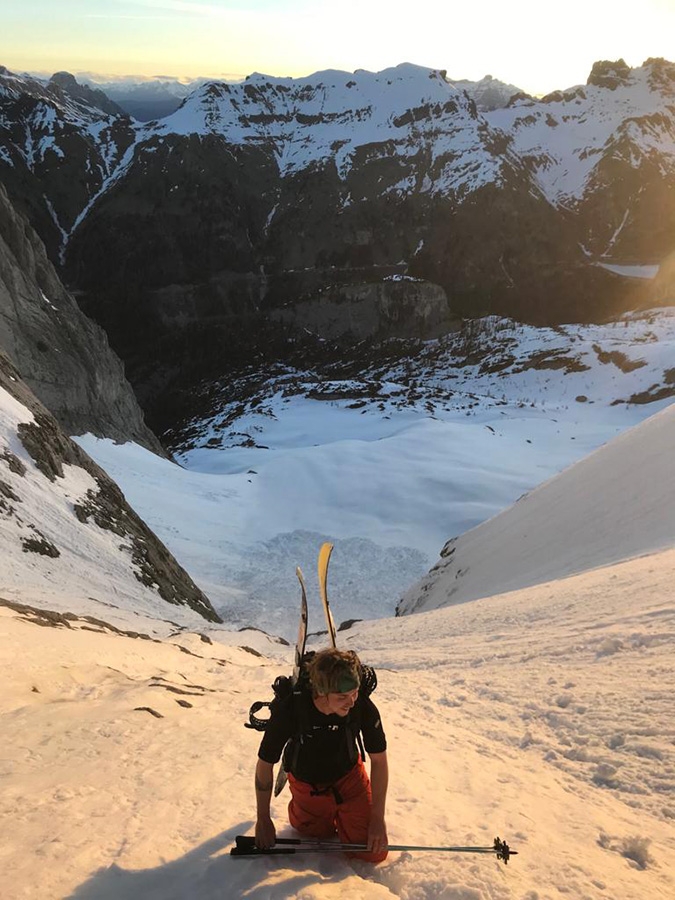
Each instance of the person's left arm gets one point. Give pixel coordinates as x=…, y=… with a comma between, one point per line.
x=379, y=781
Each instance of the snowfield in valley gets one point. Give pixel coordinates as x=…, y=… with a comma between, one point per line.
x=388, y=467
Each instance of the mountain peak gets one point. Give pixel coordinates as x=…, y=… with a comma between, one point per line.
x=64, y=80
x=67, y=82
x=609, y=74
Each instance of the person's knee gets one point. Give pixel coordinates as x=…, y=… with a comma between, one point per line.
x=310, y=823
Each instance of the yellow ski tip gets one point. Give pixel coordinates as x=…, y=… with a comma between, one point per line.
x=325, y=551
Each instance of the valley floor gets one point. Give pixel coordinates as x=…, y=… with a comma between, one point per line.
x=543, y=716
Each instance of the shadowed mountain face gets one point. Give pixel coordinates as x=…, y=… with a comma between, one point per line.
x=62, y=355
x=259, y=211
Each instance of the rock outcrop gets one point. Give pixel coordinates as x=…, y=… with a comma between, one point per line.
x=134, y=547
x=608, y=74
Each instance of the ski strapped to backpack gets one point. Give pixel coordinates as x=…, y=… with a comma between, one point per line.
x=324, y=559
x=297, y=685
x=283, y=685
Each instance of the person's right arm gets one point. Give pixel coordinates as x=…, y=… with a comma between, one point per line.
x=265, y=832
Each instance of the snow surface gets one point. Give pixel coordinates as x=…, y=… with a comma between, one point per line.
x=392, y=480
x=631, y=271
x=542, y=716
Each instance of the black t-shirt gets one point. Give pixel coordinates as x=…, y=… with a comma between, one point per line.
x=327, y=750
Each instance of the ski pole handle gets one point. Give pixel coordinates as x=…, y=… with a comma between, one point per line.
x=245, y=846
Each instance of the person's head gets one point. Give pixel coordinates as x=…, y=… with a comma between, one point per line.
x=335, y=677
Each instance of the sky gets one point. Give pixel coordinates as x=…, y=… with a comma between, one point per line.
x=526, y=43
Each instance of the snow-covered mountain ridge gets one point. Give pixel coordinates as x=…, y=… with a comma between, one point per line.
x=262, y=210
x=155, y=98
x=564, y=140
x=331, y=114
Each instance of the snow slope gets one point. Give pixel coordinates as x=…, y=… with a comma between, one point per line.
x=70, y=545
x=544, y=717
x=617, y=503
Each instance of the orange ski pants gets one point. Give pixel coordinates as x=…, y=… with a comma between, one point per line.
x=320, y=811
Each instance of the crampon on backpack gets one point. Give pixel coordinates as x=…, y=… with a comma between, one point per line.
x=283, y=687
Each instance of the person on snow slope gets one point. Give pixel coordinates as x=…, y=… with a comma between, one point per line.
x=330, y=788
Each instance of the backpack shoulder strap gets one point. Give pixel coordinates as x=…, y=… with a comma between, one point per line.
x=301, y=725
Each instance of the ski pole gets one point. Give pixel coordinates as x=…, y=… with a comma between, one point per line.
x=245, y=846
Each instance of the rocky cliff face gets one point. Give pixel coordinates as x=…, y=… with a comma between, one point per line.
x=63, y=356
x=400, y=307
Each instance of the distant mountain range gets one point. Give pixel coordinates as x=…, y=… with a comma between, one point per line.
x=148, y=99
x=155, y=98
x=272, y=214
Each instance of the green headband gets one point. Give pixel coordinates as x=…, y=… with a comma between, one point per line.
x=346, y=684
